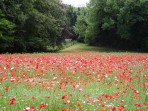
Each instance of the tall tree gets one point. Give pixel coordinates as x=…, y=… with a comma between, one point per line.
x=81, y=24
x=117, y=23
x=7, y=29
x=38, y=23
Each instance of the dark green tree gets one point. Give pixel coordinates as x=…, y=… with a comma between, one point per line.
x=7, y=29
x=118, y=23
x=132, y=23
x=38, y=23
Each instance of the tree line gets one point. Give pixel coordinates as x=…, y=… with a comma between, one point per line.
x=34, y=25
x=114, y=23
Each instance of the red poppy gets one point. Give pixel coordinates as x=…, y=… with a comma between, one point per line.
x=12, y=101
x=64, y=97
x=42, y=106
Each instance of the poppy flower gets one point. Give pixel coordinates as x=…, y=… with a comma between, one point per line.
x=64, y=97
x=12, y=101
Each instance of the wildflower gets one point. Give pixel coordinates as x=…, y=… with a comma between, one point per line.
x=79, y=105
x=137, y=104
x=27, y=109
x=31, y=108
x=6, y=89
x=136, y=91
x=47, y=97
x=102, y=109
x=33, y=98
x=12, y=101
x=55, y=78
x=42, y=106
x=25, y=94
x=64, y=109
x=68, y=101
x=1, y=79
x=114, y=109
x=64, y=96
x=108, y=96
x=80, y=90
x=121, y=108
x=76, y=86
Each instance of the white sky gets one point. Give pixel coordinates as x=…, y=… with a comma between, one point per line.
x=76, y=3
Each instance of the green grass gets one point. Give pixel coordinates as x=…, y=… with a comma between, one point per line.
x=85, y=47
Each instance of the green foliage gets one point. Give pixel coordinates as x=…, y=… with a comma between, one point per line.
x=35, y=25
x=7, y=28
x=71, y=16
x=81, y=24
x=38, y=24
x=116, y=23
x=133, y=23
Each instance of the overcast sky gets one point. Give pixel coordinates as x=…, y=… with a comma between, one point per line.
x=76, y=3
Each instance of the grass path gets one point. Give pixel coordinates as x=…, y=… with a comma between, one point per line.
x=85, y=47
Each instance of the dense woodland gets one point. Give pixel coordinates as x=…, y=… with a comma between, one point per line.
x=36, y=25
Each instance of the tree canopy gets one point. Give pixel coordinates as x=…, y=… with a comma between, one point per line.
x=35, y=25
x=32, y=25
x=115, y=23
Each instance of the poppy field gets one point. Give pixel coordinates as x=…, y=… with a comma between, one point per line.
x=74, y=81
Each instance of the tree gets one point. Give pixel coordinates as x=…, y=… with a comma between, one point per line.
x=7, y=29
x=71, y=16
x=116, y=23
x=133, y=23
x=38, y=23
x=81, y=24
